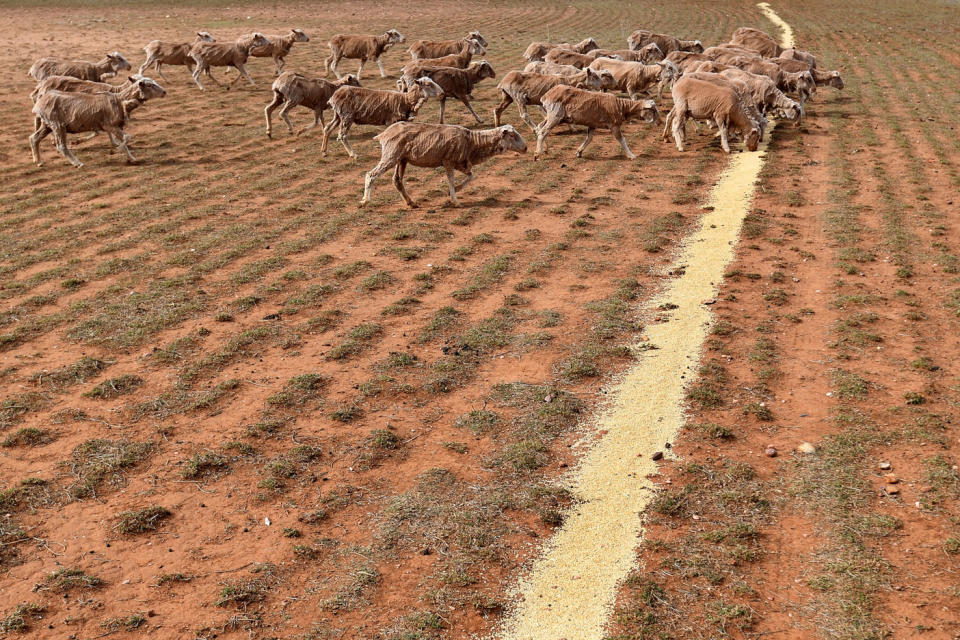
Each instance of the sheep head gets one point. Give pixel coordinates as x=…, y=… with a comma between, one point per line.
x=476, y=35
x=486, y=69
x=476, y=47
x=752, y=139
x=511, y=140
x=299, y=35
x=394, y=36
x=147, y=89
x=645, y=110
x=350, y=79
x=118, y=62
x=651, y=53
x=430, y=88
x=835, y=80
x=587, y=45
x=253, y=41
x=204, y=36
x=696, y=47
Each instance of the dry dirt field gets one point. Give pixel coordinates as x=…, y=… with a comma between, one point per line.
x=235, y=405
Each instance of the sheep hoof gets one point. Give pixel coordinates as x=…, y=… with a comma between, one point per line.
x=579, y=154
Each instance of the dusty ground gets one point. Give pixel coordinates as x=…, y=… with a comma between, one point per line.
x=220, y=332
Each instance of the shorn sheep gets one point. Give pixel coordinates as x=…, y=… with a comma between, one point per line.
x=216, y=54
x=593, y=110
x=634, y=78
x=293, y=89
x=759, y=41
x=362, y=48
x=702, y=100
x=574, y=59
x=551, y=69
x=439, y=48
x=69, y=84
x=62, y=113
x=459, y=60
x=537, y=50
x=527, y=89
x=160, y=53
x=650, y=53
x=667, y=43
x=280, y=46
x=452, y=147
x=111, y=65
x=356, y=105
x=743, y=93
x=455, y=83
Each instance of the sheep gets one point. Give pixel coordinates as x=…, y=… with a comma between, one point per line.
x=800, y=82
x=293, y=89
x=537, y=50
x=744, y=92
x=459, y=60
x=160, y=53
x=759, y=41
x=821, y=78
x=802, y=56
x=69, y=84
x=111, y=65
x=641, y=37
x=216, y=54
x=549, y=68
x=456, y=83
x=649, y=54
x=634, y=78
x=439, y=48
x=766, y=95
x=721, y=53
x=572, y=58
x=594, y=111
x=356, y=105
x=279, y=47
x=699, y=99
x=61, y=113
x=528, y=88
x=452, y=147
x=362, y=48
x=686, y=60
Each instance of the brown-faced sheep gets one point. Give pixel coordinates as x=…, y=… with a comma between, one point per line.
x=537, y=50
x=634, y=78
x=702, y=100
x=743, y=92
x=293, y=89
x=802, y=56
x=574, y=59
x=821, y=78
x=61, y=113
x=452, y=147
x=360, y=47
x=667, y=43
x=279, y=47
x=459, y=60
x=160, y=53
x=759, y=41
x=527, y=89
x=593, y=110
x=456, y=83
x=356, y=105
x=439, y=48
x=650, y=53
x=800, y=82
x=766, y=96
x=111, y=65
x=217, y=54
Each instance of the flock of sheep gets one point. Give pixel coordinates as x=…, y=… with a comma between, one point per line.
x=733, y=86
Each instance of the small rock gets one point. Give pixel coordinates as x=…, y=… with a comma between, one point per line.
x=891, y=489
x=266, y=521
x=657, y=455
x=771, y=452
x=884, y=466
x=891, y=479
x=806, y=447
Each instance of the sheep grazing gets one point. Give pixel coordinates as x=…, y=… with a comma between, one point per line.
x=439, y=48
x=459, y=60
x=452, y=147
x=293, y=89
x=766, y=96
x=743, y=92
x=362, y=48
x=821, y=78
x=572, y=58
x=802, y=56
x=527, y=89
x=537, y=50
x=702, y=100
x=111, y=65
x=759, y=41
x=549, y=68
x=634, y=78
x=216, y=54
x=356, y=105
x=160, y=53
x=641, y=38
x=649, y=54
x=279, y=47
x=61, y=113
x=800, y=82
x=593, y=110
x=456, y=83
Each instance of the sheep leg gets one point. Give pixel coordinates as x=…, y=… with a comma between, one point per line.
x=146, y=63
x=586, y=141
x=398, y=183
x=453, y=186
x=41, y=132
x=443, y=107
x=268, y=111
x=542, y=132
x=317, y=119
x=724, y=141
x=286, y=118
x=618, y=135
x=342, y=137
x=159, y=68
x=382, y=167
x=466, y=180
x=124, y=140
x=525, y=116
x=466, y=100
x=383, y=74
x=505, y=101
x=360, y=69
x=679, y=122
x=60, y=138
x=242, y=73
x=196, y=77
x=666, y=126
x=327, y=130
x=279, y=62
